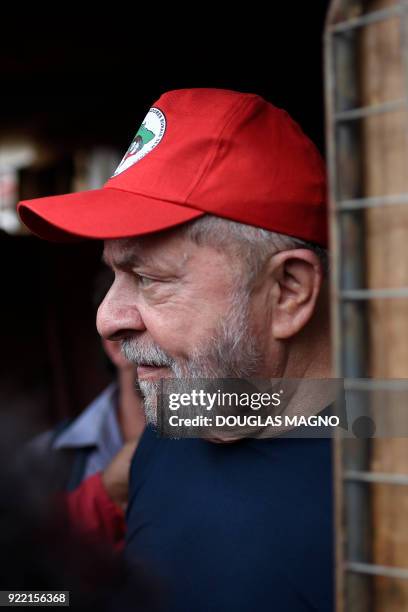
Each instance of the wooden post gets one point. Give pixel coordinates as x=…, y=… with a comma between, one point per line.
x=385, y=157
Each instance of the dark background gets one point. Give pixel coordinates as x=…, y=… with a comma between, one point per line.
x=72, y=81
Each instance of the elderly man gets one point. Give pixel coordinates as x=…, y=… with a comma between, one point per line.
x=215, y=226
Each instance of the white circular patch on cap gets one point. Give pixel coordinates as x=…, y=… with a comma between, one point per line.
x=146, y=138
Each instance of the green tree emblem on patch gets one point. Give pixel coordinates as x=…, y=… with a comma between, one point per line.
x=143, y=136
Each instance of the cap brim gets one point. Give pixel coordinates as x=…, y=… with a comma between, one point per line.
x=101, y=214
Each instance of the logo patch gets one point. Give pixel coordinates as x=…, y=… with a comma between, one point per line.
x=146, y=138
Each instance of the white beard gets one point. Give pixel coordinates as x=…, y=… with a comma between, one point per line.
x=231, y=352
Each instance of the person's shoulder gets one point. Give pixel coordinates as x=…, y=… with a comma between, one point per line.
x=35, y=454
x=41, y=444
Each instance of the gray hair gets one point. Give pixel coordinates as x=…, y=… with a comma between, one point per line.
x=252, y=244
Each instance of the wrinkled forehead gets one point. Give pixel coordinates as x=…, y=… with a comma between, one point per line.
x=118, y=246
x=123, y=252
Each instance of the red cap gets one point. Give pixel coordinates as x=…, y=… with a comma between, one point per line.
x=199, y=151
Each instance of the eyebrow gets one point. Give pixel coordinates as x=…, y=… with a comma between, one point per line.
x=128, y=260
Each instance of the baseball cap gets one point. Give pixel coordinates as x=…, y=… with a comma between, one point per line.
x=198, y=151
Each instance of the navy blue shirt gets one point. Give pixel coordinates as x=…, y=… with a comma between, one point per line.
x=237, y=527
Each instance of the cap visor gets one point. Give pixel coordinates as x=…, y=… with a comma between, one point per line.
x=101, y=214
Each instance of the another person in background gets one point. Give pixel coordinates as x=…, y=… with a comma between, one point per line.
x=38, y=547
x=96, y=449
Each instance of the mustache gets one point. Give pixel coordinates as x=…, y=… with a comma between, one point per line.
x=141, y=354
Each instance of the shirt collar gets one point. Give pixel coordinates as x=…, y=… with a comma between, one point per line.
x=87, y=428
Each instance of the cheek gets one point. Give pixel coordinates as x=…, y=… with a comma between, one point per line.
x=178, y=328
x=166, y=327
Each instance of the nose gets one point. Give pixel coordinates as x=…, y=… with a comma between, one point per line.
x=118, y=316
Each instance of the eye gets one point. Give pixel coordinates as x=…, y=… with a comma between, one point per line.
x=144, y=281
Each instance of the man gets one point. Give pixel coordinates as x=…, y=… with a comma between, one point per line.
x=102, y=440
x=94, y=452
x=91, y=440
x=215, y=227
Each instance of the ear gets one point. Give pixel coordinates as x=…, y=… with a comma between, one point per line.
x=296, y=277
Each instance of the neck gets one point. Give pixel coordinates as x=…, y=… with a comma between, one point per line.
x=309, y=361
x=305, y=359
x=308, y=354
x=130, y=406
